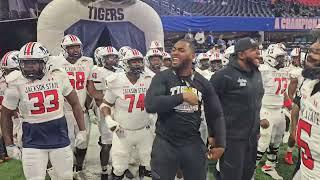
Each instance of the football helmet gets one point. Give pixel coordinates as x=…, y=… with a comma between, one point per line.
x=166, y=55
x=275, y=56
x=108, y=57
x=156, y=45
x=203, y=61
x=9, y=62
x=133, y=54
x=68, y=41
x=154, y=59
x=32, y=60
x=216, y=61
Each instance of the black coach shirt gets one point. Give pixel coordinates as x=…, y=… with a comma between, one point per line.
x=178, y=122
x=240, y=94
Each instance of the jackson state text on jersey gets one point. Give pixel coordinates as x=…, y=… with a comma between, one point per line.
x=308, y=132
x=129, y=110
x=41, y=105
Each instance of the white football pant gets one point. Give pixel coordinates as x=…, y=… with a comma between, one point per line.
x=123, y=144
x=35, y=161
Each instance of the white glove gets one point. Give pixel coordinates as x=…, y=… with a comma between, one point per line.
x=110, y=122
x=81, y=140
x=14, y=152
x=93, y=117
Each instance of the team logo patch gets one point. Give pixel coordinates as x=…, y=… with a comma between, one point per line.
x=242, y=82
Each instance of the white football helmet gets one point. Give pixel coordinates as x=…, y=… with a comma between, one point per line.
x=154, y=52
x=133, y=54
x=30, y=54
x=96, y=54
x=166, y=55
x=71, y=40
x=123, y=50
x=10, y=60
x=272, y=54
x=228, y=52
x=156, y=45
x=108, y=56
x=216, y=62
x=295, y=52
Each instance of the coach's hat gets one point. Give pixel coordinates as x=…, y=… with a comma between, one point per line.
x=244, y=44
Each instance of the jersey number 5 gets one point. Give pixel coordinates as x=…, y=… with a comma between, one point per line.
x=77, y=83
x=139, y=104
x=41, y=97
x=306, y=155
x=282, y=85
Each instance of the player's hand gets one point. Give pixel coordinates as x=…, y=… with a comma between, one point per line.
x=81, y=139
x=92, y=116
x=14, y=152
x=112, y=124
x=264, y=123
x=190, y=97
x=215, y=153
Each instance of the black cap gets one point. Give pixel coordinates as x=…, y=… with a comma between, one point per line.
x=244, y=44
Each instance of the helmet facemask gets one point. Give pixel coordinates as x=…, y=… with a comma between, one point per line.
x=74, y=52
x=136, y=66
x=109, y=61
x=204, y=64
x=33, y=69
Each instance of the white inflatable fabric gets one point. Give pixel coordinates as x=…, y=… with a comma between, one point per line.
x=59, y=15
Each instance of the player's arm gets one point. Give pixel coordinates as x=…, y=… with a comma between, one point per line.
x=109, y=100
x=292, y=87
x=7, y=125
x=73, y=100
x=9, y=105
x=157, y=101
x=93, y=92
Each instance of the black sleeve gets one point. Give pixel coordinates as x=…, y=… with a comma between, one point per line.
x=214, y=117
x=157, y=101
x=218, y=82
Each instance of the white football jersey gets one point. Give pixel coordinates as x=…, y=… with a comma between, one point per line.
x=296, y=72
x=275, y=83
x=78, y=74
x=128, y=100
x=308, y=131
x=99, y=76
x=40, y=100
x=205, y=73
x=3, y=87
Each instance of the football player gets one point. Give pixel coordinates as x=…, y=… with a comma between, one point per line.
x=296, y=80
x=9, y=63
x=78, y=68
x=167, y=60
x=39, y=93
x=275, y=82
x=154, y=59
x=130, y=123
x=308, y=131
x=215, y=62
x=108, y=57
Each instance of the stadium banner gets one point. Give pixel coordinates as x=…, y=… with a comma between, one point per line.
x=236, y=24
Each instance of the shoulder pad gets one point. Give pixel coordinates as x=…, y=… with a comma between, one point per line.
x=14, y=75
